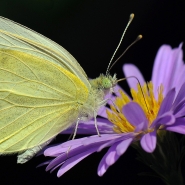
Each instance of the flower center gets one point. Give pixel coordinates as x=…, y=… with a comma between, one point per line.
x=144, y=96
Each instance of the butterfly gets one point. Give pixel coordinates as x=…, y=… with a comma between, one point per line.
x=43, y=90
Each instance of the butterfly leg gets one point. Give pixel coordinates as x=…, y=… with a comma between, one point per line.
x=102, y=103
x=28, y=154
x=95, y=124
x=74, y=135
x=76, y=127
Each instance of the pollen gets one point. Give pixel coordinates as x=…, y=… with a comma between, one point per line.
x=145, y=97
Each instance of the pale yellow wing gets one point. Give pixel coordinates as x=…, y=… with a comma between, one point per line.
x=38, y=99
x=17, y=37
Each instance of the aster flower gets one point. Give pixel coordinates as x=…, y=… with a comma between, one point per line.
x=157, y=105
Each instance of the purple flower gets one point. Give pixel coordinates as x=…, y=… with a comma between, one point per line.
x=159, y=104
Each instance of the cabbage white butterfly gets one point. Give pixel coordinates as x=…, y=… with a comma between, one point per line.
x=43, y=90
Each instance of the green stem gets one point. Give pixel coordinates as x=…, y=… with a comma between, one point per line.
x=174, y=178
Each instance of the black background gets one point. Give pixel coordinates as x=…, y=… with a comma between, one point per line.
x=90, y=31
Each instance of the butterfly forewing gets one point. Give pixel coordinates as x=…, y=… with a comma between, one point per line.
x=38, y=99
x=17, y=37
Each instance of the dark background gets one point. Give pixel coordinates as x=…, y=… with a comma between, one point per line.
x=90, y=31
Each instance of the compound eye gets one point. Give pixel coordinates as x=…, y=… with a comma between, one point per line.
x=106, y=83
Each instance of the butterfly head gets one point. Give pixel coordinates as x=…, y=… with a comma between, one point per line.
x=104, y=83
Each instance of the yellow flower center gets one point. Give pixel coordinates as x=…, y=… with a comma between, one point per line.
x=144, y=96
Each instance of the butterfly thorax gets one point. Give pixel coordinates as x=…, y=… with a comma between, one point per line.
x=100, y=87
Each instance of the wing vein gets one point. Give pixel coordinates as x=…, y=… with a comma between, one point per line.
x=32, y=130
x=21, y=62
x=61, y=92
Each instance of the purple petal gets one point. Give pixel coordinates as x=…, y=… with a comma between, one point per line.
x=102, y=169
x=122, y=147
x=178, y=127
x=141, y=126
x=44, y=163
x=166, y=68
x=57, y=150
x=178, y=65
x=102, y=111
x=166, y=119
x=148, y=141
x=180, y=96
x=135, y=115
x=111, y=157
x=104, y=126
x=122, y=137
x=167, y=102
x=132, y=70
x=74, y=160
x=62, y=148
x=69, y=154
x=108, y=159
x=72, y=142
x=57, y=166
x=106, y=144
x=179, y=110
x=180, y=79
x=161, y=61
x=56, y=161
x=102, y=138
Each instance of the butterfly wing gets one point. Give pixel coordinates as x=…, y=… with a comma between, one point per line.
x=38, y=99
x=17, y=37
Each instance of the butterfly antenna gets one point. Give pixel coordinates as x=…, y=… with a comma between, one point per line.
x=136, y=40
x=130, y=20
x=122, y=79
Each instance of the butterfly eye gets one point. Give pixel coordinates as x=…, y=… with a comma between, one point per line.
x=106, y=83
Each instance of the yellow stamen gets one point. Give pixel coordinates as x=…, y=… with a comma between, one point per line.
x=145, y=98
